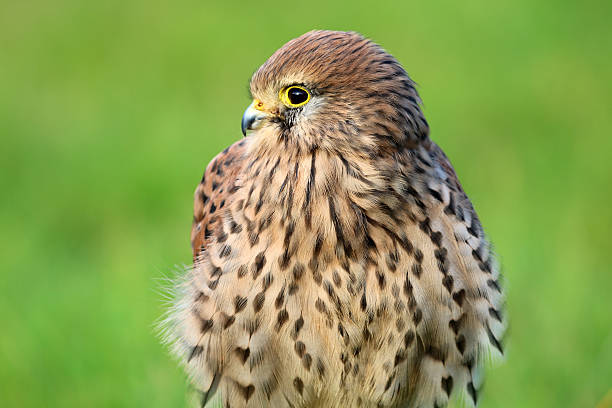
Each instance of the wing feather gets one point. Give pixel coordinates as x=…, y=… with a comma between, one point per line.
x=214, y=194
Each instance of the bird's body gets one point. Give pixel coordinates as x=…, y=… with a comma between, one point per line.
x=338, y=262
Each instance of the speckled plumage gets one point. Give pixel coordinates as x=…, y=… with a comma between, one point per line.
x=337, y=260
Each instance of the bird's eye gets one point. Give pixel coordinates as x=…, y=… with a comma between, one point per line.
x=295, y=96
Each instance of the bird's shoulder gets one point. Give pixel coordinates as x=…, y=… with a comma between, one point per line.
x=444, y=162
x=214, y=192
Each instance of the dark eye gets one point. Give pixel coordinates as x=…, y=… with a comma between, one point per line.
x=295, y=96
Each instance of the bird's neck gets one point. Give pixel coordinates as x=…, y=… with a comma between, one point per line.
x=321, y=200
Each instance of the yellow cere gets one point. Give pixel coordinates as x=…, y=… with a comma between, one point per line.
x=286, y=94
x=257, y=104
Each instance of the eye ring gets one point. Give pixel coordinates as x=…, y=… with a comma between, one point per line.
x=294, y=96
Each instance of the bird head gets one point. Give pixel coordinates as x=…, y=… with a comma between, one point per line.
x=337, y=91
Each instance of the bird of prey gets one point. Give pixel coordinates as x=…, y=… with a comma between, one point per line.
x=337, y=260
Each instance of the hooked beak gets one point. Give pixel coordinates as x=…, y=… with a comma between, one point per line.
x=253, y=116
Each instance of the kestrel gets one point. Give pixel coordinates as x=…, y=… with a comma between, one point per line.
x=337, y=260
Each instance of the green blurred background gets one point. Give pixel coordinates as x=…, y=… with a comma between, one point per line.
x=109, y=112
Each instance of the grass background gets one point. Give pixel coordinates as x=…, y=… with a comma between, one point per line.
x=109, y=112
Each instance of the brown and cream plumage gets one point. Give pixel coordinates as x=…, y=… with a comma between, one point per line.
x=337, y=260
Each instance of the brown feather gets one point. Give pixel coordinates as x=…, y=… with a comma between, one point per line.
x=215, y=191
